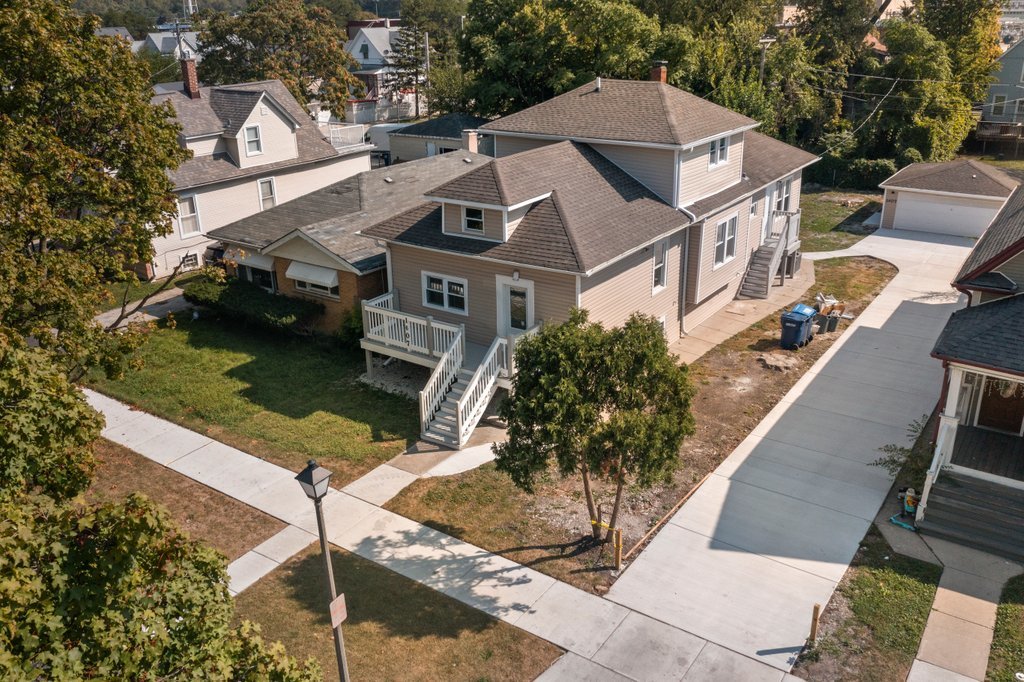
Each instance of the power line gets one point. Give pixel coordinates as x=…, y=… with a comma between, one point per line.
x=864, y=122
x=890, y=78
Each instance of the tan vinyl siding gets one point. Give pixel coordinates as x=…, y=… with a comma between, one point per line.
x=697, y=180
x=515, y=216
x=988, y=297
x=1014, y=269
x=755, y=223
x=493, y=222
x=626, y=287
x=276, y=136
x=207, y=146
x=555, y=293
x=298, y=249
x=227, y=202
x=697, y=314
x=654, y=168
x=729, y=274
x=506, y=145
x=889, y=208
x=409, y=148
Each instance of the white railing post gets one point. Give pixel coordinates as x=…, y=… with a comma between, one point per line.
x=430, y=335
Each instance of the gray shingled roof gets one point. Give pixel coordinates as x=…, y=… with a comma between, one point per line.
x=963, y=176
x=222, y=110
x=595, y=214
x=449, y=126
x=114, y=32
x=1003, y=239
x=333, y=215
x=634, y=111
x=765, y=160
x=988, y=335
x=993, y=281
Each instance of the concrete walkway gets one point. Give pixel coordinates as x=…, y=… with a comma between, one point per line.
x=601, y=638
x=738, y=315
x=168, y=301
x=774, y=529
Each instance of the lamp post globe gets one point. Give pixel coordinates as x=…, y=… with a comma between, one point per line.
x=315, y=480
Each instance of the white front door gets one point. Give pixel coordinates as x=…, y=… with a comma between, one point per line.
x=515, y=305
x=766, y=220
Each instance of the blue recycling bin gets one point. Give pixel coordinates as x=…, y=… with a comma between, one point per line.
x=797, y=326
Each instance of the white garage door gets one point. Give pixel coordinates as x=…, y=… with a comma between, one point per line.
x=962, y=216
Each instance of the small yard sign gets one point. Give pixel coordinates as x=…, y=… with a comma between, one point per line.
x=338, y=611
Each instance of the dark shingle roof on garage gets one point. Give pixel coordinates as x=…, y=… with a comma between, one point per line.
x=449, y=126
x=987, y=335
x=964, y=176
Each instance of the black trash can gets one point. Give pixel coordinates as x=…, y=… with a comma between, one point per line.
x=797, y=329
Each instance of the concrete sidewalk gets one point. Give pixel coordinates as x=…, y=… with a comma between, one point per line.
x=774, y=529
x=167, y=301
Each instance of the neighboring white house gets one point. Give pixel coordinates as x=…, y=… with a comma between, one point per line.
x=167, y=42
x=372, y=48
x=956, y=197
x=253, y=147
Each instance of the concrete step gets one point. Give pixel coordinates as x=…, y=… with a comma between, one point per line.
x=968, y=536
x=440, y=438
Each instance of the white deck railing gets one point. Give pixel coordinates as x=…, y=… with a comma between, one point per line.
x=344, y=135
x=480, y=388
x=943, y=453
x=440, y=382
x=382, y=322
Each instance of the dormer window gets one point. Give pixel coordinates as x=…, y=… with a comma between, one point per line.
x=473, y=220
x=718, y=152
x=364, y=51
x=253, y=143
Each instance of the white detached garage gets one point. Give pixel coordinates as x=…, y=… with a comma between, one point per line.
x=957, y=197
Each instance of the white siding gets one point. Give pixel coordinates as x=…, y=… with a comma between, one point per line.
x=506, y=145
x=298, y=249
x=276, y=136
x=654, y=168
x=207, y=146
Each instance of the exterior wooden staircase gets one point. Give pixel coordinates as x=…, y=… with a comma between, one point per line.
x=977, y=513
x=442, y=425
x=757, y=280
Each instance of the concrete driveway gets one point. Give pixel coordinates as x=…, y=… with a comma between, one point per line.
x=774, y=528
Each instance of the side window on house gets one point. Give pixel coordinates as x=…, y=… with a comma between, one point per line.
x=753, y=207
x=725, y=241
x=472, y=219
x=783, y=188
x=364, y=51
x=258, y=276
x=718, y=152
x=999, y=105
x=188, y=216
x=267, y=197
x=190, y=262
x=1019, y=113
x=660, y=267
x=316, y=288
x=253, y=143
x=446, y=293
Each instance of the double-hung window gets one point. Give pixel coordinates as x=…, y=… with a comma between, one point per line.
x=718, y=152
x=660, y=267
x=473, y=220
x=314, y=288
x=445, y=293
x=253, y=143
x=783, y=188
x=998, y=105
x=188, y=216
x=267, y=196
x=725, y=241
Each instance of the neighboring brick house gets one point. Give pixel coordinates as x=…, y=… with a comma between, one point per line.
x=253, y=147
x=617, y=197
x=440, y=135
x=974, y=489
x=309, y=247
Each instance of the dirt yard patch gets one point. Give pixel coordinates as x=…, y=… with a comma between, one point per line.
x=396, y=629
x=220, y=521
x=872, y=627
x=735, y=390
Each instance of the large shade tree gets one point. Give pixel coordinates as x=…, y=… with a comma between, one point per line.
x=296, y=43
x=600, y=404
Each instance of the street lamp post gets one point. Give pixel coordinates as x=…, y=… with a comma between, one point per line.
x=315, y=481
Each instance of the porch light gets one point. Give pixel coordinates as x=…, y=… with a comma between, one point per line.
x=314, y=480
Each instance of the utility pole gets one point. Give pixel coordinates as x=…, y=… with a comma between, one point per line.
x=764, y=43
x=426, y=72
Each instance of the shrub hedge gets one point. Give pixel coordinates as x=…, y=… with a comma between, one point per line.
x=865, y=174
x=246, y=302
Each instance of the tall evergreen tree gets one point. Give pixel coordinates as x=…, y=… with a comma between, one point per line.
x=408, y=62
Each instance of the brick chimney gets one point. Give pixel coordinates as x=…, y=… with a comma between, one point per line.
x=191, y=80
x=470, y=141
x=659, y=72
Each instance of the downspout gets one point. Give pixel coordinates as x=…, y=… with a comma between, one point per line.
x=685, y=271
x=942, y=402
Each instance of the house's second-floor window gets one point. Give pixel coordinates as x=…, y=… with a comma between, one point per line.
x=783, y=188
x=660, y=267
x=998, y=105
x=267, y=196
x=1019, y=113
x=473, y=219
x=446, y=293
x=718, y=152
x=253, y=143
x=725, y=241
x=188, y=216
x=364, y=51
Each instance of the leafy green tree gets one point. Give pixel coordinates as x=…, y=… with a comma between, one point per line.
x=597, y=403
x=836, y=28
x=83, y=180
x=970, y=31
x=700, y=15
x=447, y=90
x=163, y=68
x=116, y=592
x=298, y=44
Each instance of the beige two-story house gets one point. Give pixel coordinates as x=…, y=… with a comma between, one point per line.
x=253, y=147
x=617, y=197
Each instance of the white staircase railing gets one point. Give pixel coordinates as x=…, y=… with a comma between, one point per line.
x=480, y=388
x=384, y=323
x=943, y=453
x=440, y=382
x=777, y=253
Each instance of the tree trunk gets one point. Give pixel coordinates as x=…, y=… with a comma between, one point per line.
x=589, y=495
x=620, y=485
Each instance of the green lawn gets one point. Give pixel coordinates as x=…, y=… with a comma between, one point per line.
x=396, y=629
x=831, y=220
x=1007, y=655
x=992, y=160
x=286, y=399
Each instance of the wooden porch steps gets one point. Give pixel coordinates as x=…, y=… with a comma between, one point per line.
x=976, y=513
x=757, y=280
x=444, y=424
